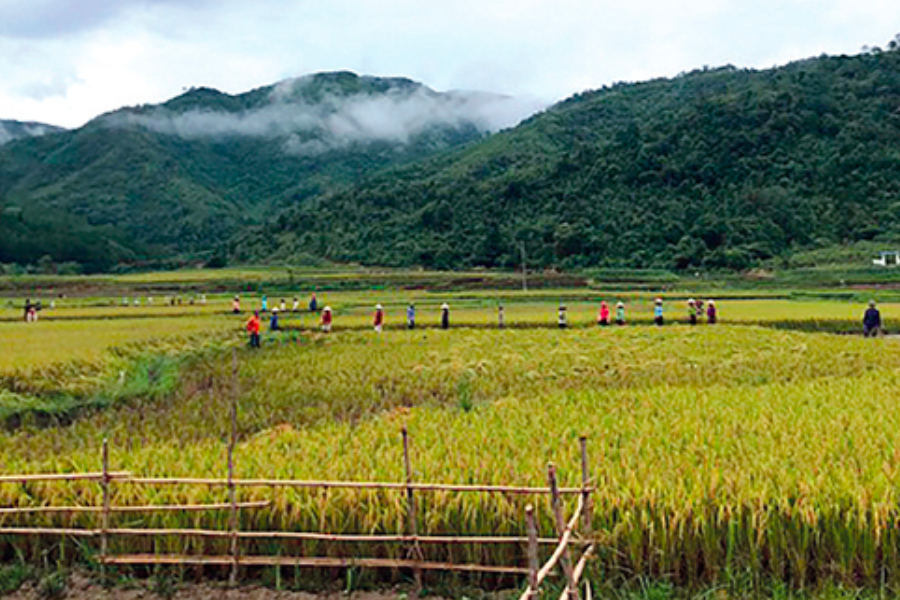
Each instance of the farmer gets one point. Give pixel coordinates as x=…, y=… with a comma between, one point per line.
x=445, y=316
x=872, y=321
x=253, y=326
x=620, y=313
x=296, y=304
x=273, y=323
x=561, y=317
x=692, y=312
x=603, y=318
x=283, y=306
x=30, y=313
x=326, y=319
x=236, y=305
x=699, y=310
x=264, y=304
x=411, y=316
x=711, y=313
x=658, y=312
x=313, y=303
x=379, y=318
x=500, y=316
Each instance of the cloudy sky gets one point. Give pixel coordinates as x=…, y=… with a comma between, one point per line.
x=66, y=61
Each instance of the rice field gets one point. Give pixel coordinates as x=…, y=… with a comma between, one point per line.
x=720, y=453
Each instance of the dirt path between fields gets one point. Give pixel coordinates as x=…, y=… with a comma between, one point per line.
x=80, y=588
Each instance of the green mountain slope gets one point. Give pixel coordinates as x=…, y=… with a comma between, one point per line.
x=178, y=179
x=13, y=130
x=719, y=168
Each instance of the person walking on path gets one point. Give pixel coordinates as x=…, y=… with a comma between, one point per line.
x=445, y=316
x=411, y=316
x=253, y=326
x=236, y=305
x=326, y=319
x=692, y=312
x=561, y=317
x=712, y=315
x=501, y=317
x=658, y=313
x=378, y=322
x=620, y=313
x=603, y=319
x=872, y=321
x=273, y=323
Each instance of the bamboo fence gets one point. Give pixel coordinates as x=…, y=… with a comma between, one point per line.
x=564, y=539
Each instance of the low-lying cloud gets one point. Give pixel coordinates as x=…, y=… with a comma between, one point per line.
x=15, y=130
x=337, y=121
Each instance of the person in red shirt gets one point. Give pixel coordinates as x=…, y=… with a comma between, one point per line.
x=379, y=318
x=253, y=326
x=326, y=319
x=603, y=320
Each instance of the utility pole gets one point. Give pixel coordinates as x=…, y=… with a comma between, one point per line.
x=524, y=268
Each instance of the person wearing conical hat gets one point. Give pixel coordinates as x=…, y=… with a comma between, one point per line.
x=561, y=320
x=692, y=312
x=445, y=316
x=620, y=313
x=411, y=316
x=501, y=316
x=378, y=321
x=658, y=317
x=326, y=319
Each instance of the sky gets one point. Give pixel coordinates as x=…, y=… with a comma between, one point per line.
x=64, y=62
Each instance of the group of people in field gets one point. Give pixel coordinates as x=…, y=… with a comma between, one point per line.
x=697, y=311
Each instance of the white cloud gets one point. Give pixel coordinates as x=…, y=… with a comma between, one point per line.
x=65, y=61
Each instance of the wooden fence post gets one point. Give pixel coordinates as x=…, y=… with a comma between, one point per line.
x=587, y=514
x=232, y=491
x=561, y=526
x=532, y=552
x=415, y=550
x=104, y=518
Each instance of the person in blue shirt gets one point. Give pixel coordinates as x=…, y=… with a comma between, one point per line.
x=658, y=312
x=273, y=323
x=871, y=321
x=264, y=304
x=411, y=316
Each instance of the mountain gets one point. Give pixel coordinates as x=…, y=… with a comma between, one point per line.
x=14, y=130
x=178, y=179
x=717, y=168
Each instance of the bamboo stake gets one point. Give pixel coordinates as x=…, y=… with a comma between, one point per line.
x=130, y=509
x=579, y=570
x=104, y=522
x=232, y=492
x=532, y=590
x=351, y=485
x=37, y=531
x=155, y=559
x=27, y=478
x=587, y=517
x=564, y=532
x=415, y=550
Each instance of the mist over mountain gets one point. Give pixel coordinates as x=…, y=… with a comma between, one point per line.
x=718, y=168
x=153, y=182
x=13, y=130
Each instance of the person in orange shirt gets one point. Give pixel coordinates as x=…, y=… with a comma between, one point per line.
x=253, y=326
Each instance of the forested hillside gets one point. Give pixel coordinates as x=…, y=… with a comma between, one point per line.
x=152, y=182
x=718, y=168
x=13, y=130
